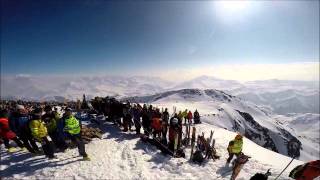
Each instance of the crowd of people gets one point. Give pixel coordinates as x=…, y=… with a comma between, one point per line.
x=29, y=124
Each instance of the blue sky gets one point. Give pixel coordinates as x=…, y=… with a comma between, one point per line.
x=97, y=37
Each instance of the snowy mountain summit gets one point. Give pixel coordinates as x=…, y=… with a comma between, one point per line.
x=231, y=113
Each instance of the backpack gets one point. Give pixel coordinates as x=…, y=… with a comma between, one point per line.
x=198, y=157
x=297, y=171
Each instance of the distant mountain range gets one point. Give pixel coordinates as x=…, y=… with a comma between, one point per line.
x=280, y=96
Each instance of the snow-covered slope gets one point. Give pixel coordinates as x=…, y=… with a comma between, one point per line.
x=121, y=155
x=229, y=112
x=306, y=127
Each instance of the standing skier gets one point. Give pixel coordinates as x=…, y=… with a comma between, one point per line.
x=73, y=128
x=136, y=113
x=196, y=117
x=189, y=117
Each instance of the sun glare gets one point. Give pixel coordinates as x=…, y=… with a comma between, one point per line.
x=233, y=6
x=231, y=11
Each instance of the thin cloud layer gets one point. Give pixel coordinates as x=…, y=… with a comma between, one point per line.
x=248, y=72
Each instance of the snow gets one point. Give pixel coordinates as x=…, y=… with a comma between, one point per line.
x=226, y=117
x=120, y=155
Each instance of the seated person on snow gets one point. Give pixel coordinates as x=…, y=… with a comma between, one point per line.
x=40, y=133
x=235, y=147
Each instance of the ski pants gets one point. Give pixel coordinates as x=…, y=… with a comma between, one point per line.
x=28, y=142
x=58, y=142
x=77, y=139
x=48, y=147
x=231, y=156
x=137, y=126
x=15, y=139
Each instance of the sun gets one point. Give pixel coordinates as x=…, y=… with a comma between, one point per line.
x=232, y=6
x=232, y=11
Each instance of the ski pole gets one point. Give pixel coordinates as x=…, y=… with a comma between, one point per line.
x=284, y=169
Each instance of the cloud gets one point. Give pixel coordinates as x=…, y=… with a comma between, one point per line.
x=247, y=72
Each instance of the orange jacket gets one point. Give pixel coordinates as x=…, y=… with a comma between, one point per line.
x=156, y=124
x=189, y=115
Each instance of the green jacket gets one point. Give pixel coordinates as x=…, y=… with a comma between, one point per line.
x=38, y=129
x=235, y=146
x=51, y=122
x=72, y=125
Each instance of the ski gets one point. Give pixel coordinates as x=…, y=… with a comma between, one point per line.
x=211, y=135
x=193, y=140
x=189, y=130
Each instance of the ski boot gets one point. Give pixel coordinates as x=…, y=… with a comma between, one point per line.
x=86, y=158
x=24, y=149
x=12, y=149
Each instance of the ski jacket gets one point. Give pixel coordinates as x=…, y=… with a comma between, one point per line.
x=180, y=115
x=172, y=133
x=18, y=123
x=145, y=119
x=165, y=116
x=5, y=131
x=136, y=114
x=196, y=115
x=51, y=121
x=189, y=115
x=156, y=124
x=72, y=125
x=235, y=146
x=38, y=129
x=184, y=114
x=307, y=171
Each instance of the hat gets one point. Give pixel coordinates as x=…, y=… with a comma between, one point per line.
x=238, y=136
x=68, y=109
x=174, y=121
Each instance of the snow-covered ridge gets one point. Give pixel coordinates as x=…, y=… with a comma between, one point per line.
x=230, y=112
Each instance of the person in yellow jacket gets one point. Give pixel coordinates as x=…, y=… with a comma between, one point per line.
x=185, y=115
x=40, y=133
x=235, y=147
x=72, y=127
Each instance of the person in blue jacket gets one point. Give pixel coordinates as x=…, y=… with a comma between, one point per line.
x=19, y=124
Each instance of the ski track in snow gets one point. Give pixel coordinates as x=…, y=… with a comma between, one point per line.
x=120, y=155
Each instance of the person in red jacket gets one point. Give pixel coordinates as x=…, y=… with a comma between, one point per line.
x=308, y=171
x=6, y=134
x=189, y=117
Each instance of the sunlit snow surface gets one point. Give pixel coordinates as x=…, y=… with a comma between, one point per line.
x=124, y=156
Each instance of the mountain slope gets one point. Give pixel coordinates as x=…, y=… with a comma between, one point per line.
x=229, y=112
